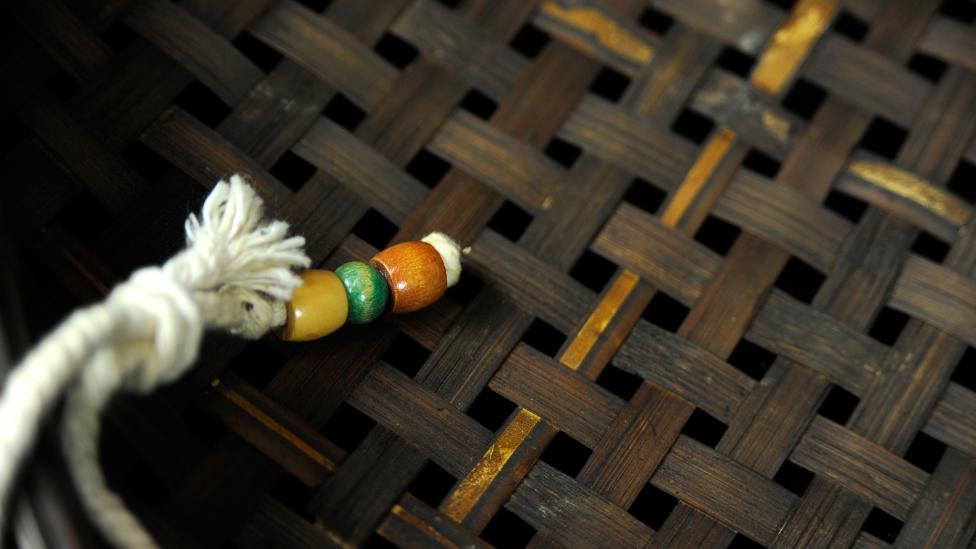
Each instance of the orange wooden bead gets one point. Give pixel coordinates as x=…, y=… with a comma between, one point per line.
x=415, y=273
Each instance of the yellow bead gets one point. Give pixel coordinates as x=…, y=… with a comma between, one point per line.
x=317, y=308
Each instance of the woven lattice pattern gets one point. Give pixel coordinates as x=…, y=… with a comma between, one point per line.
x=721, y=288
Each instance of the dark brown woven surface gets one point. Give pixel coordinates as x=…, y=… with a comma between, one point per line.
x=721, y=285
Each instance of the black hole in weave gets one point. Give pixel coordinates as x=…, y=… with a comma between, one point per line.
x=562, y=152
x=529, y=41
x=261, y=54
x=665, y=312
x=620, y=383
x=930, y=247
x=717, y=235
x=761, y=163
x=652, y=506
x=566, y=454
x=850, y=26
x=785, y=5
x=839, y=405
x=84, y=217
x=376, y=541
x=965, y=371
x=645, y=196
x=888, y=325
x=119, y=36
x=316, y=5
x=609, y=84
x=450, y=3
x=963, y=181
x=348, y=427
x=294, y=495
x=741, y=541
x=927, y=67
x=882, y=525
x=961, y=10
x=139, y=481
x=62, y=86
x=704, y=428
x=490, y=409
x=427, y=168
x=692, y=125
x=292, y=170
x=203, y=104
x=800, y=280
x=398, y=52
x=203, y=424
x=257, y=364
x=735, y=61
x=544, y=338
x=344, y=112
x=467, y=288
x=375, y=229
x=845, y=205
x=804, y=98
x=406, y=355
x=751, y=359
x=655, y=21
x=12, y=133
x=925, y=452
x=145, y=161
x=883, y=138
x=506, y=529
x=431, y=484
x=592, y=271
x=793, y=477
x=478, y=104
x=510, y=221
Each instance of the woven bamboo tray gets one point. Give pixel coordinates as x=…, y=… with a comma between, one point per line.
x=721, y=289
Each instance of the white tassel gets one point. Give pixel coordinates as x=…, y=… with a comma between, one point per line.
x=235, y=274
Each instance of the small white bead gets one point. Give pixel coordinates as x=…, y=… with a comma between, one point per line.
x=450, y=252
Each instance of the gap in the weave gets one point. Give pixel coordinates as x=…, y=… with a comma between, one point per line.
x=717, y=235
x=800, y=280
x=888, y=325
x=428, y=168
x=406, y=355
x=751, y=359
x=506, y=529
x=292, y=170
x=965, y=371
x=693, y=126
x=593, y=271
x=960, y=10
x=491, y=409
x=294, y=495
x=804, y=98
x=704, y=428
x=257, y=363
x=264, y=56
x=882, y=525
x=618, y=382
x=347, y=427
x=652, y=506
x=665, y=312
x=883, y=138
x=656, y=21
x=930, y=247
x=341, y=110
x=510, y=221
x=396, y=51
x=544, y=338
x=839, y=405
x=375, y=229
x=566, y=454
x=529, y=41
x=849, y=25
x=609, y=84
x=478, y=104
x=203, y=104
x=432, y=484
x=794, y=478
x=963, y=181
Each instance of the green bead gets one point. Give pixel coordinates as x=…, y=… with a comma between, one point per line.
x=366, y=291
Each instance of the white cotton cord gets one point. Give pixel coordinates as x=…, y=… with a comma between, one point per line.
x=236, y=274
